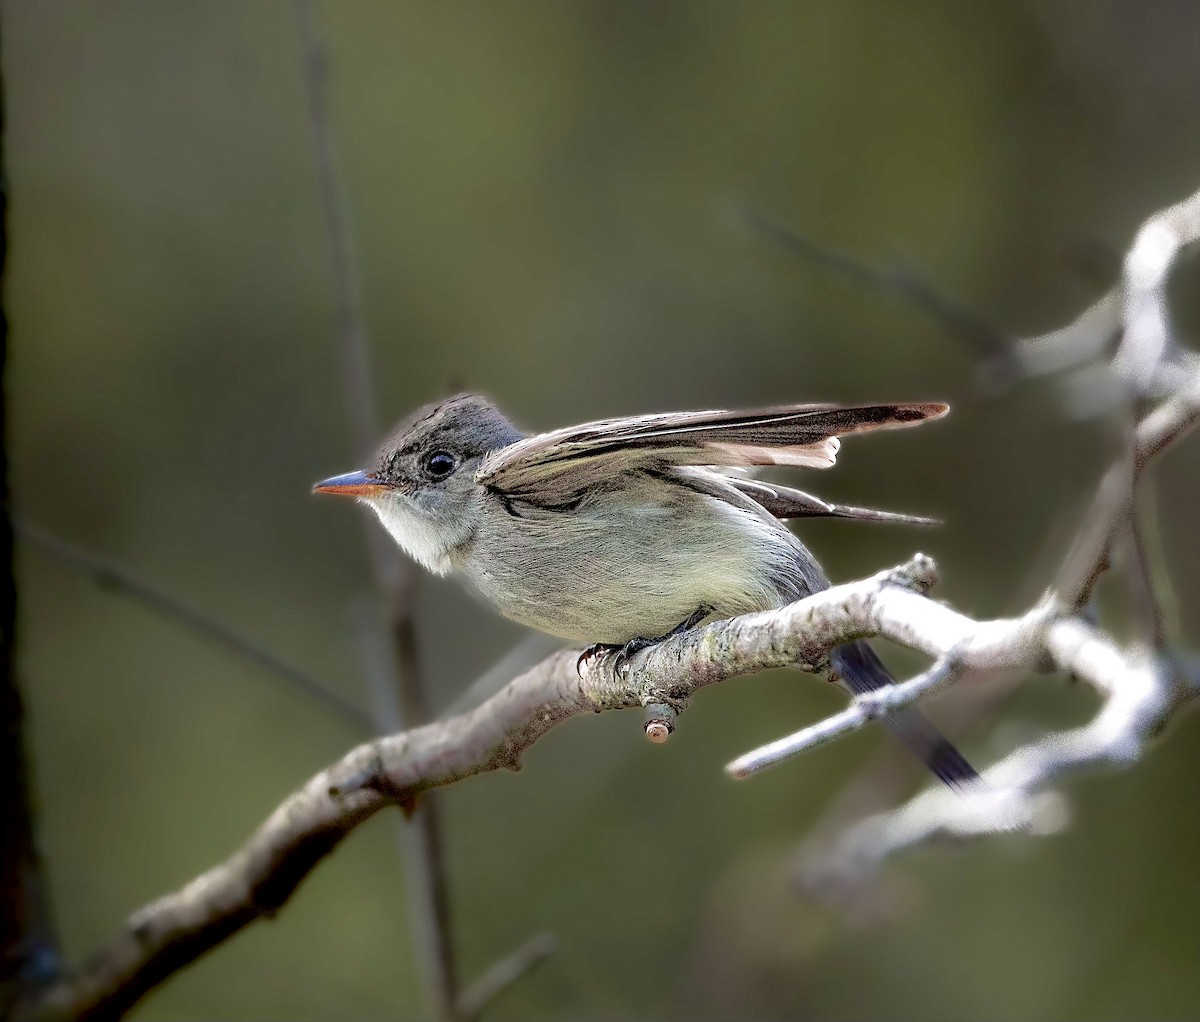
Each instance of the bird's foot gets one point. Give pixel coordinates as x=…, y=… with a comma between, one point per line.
x=625, y=653
x=595, y=651
x=622, y=654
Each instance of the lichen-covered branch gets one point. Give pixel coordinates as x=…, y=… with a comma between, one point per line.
x=260, y=876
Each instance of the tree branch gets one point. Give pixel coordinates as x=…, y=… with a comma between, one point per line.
x=1141, y=687
x=259, y=878
x=1138, y=697
x=1140, y=694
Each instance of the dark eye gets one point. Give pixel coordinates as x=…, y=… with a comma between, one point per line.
x=439, y=464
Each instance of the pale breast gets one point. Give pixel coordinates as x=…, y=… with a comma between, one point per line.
x=630, y=562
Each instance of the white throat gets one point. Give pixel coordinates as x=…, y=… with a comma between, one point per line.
x=417, y=536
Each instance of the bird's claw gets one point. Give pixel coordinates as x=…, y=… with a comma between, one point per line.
x=623, y=654
x=630, y=649
x=620, y=654
x=593, y=652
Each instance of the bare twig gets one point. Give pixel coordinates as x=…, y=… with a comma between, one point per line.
x=890, y=775
x=528, y=651
x=1150, y=363
x=109, y=575
x=418, y=834
x=501, y=975
x=990, y=343
x=1141, y=693
x=864, y=709
x=1146, y=604
x=1113, y=505
x=394, y=576
x=1086, y=339
x=259, y=878
x=1130, y=324
x=356, y=373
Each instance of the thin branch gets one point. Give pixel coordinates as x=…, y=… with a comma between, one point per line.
x=258, y=879
x=111, y=576
x=1112, y=507
x=394, y=576
x=418, y=833
x=1146, y=604
x=501, y=975
x=862, y=710
x=356, y=372
x=1150, y=363
x=1141, y=693
x=528, y=651
x=990, y=343
x=1130, y=324
x=890, y=776
x=1149, y=358
x=1086, y=339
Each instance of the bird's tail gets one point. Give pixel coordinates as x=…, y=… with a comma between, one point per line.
x=862, y=671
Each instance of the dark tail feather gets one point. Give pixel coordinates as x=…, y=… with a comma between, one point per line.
x=862, y=671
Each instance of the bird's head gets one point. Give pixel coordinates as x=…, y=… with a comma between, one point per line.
x=422, y=481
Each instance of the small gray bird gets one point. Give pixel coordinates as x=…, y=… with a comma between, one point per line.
x=623, y=531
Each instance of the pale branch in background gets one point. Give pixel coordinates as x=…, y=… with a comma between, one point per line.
x=259, y=878
x=889, y=776
x=1124, y=345
x=1141, y=687
x=418, y=835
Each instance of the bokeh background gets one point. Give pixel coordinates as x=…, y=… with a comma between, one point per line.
x=543, y=199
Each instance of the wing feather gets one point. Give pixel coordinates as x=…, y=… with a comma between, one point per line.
x=550, y=466
x=785, y=502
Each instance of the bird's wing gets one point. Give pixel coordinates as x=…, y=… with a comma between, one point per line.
x=551, y=466
x=785, y=502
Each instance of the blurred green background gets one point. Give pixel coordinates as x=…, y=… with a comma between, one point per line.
x=542, y=198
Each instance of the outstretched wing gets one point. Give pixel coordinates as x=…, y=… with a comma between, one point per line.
x=549, y=467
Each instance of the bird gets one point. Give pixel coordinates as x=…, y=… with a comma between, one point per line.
x=620, y=532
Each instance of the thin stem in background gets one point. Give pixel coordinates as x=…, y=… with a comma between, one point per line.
x=111, y=576
x=992, y=345
x=394, y=577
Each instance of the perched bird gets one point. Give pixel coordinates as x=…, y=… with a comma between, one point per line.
x=623, y=531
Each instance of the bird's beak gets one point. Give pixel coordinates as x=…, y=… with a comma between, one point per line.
x=352, y=484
